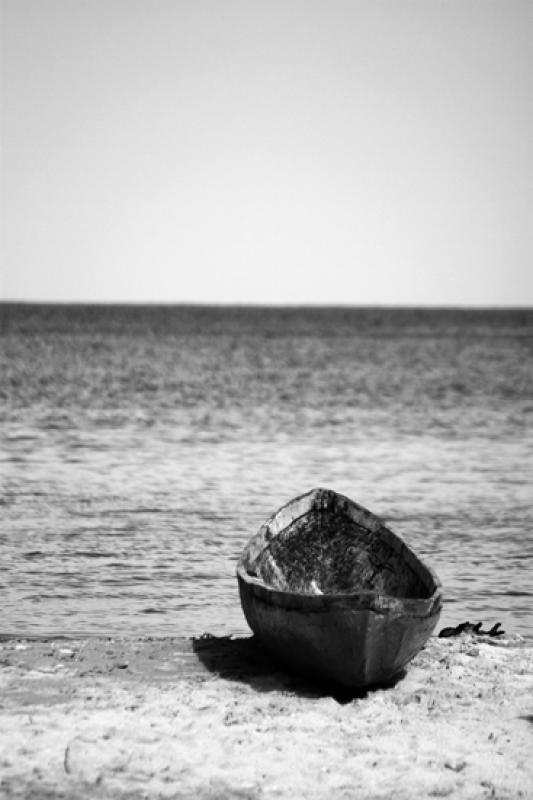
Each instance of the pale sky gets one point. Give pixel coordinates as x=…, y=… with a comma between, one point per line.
x=282, y=151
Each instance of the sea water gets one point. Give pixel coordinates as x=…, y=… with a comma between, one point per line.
x=143, y=446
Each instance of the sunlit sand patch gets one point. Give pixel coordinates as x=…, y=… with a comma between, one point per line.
x=216, y=718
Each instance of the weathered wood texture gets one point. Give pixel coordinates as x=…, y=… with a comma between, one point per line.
x=334, y=593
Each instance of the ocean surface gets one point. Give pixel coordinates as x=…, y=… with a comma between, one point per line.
x=143, y=446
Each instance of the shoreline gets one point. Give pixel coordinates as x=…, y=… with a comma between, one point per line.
x=214, y=717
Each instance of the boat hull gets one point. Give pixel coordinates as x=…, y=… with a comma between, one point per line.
x=338, y=641
x=378, y=605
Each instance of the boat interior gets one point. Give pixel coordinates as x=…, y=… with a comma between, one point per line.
x=327, y=552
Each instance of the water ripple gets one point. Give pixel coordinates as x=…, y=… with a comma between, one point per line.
x=143, y=447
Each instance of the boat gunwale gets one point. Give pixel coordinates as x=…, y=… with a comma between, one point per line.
x=370, y=600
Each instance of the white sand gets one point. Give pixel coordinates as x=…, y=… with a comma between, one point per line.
x=153, y=719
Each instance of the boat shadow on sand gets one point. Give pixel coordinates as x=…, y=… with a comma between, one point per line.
x=243, y=659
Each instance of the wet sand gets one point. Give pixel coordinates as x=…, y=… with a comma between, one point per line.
x=215, y=718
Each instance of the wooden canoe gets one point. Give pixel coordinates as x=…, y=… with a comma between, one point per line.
x=335, y=594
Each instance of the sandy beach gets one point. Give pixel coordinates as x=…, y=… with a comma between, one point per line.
x=215, y=718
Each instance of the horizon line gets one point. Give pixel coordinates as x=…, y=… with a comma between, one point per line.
x=259, y=305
